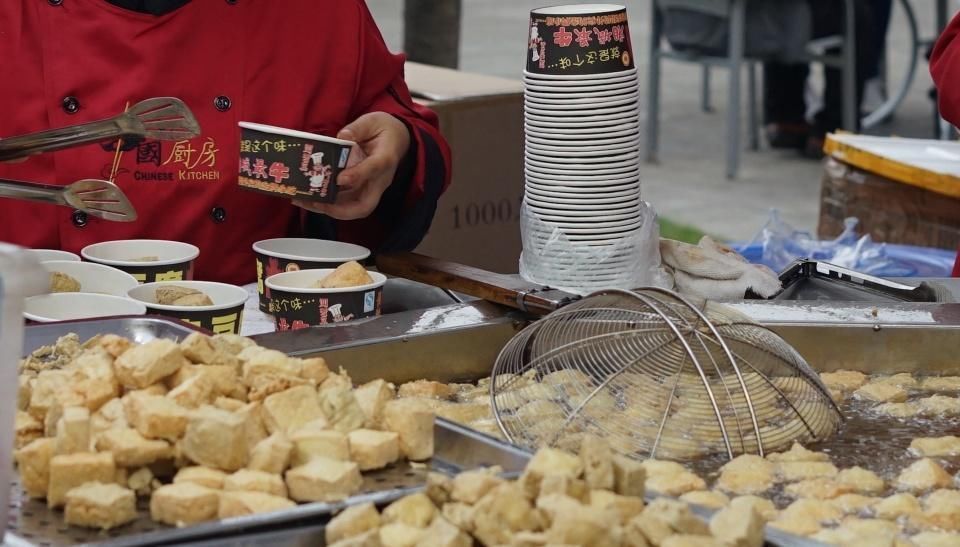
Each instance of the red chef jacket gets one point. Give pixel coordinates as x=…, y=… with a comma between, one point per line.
x=945, y=69
x=314, y=65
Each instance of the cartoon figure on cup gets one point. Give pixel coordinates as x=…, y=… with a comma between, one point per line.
x=535, y=41
x=318, y=172
x=292, y=267
x=337, y=313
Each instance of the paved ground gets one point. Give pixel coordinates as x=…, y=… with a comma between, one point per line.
x=689, y=185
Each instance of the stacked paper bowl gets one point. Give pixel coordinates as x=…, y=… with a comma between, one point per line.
x=582, y=205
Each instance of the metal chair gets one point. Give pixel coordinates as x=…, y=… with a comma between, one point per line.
x=735, y=13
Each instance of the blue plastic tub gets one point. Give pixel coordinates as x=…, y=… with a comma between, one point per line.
x=909, y=261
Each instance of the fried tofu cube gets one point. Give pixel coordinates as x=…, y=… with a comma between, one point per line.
x=597, y=459
x=247, y=480
x=272, y=454
x=843, y=380
x=442, y=533
x=44, y=392
x=156, y=417
x=110, y=416
x=114, y=345
x=427, y=389
x=228, y=404
x=370, y=538
x=861, y=481
x=184, y=503
x=799, y=471
x=711, y=499
x=103, y=506
x=315, y=369
x=24, y=391
x=258, y=361
x=26, y=429
x=146, y=364
x=549, y=461
x=575, y=524
x=264, y=385
x=460, y=514
x=764, y=507
x=564, y=485
x=738, y=526
x=33, y=462
x=351, y=522
x=936, y=447
x=624, y=507
x=340, y=407
x=73, y=431
x=204, y=476
x=198, y=348
x=415, y=510
x=373, y=449
x=141, y=481
x=398, y=534
x=231, y=344
x=290, y=410
x=470, y=486
x=925, y=474
x=72, y=470
x=195, y=392
x=896, y=506
x=131, y=449
x=252, y=416
x=629, y=477
x=677, y=515
x=323, y=479
x=95, y=380
x=216, y=438
x=242, y=503
x=439, y=487
x=158, y=388
x=881, y=393
x=692, y=540
x=413, y=422
x=372, y=398
x=309, y=444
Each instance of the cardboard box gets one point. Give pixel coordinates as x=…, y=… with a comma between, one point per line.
x=899, y=190
x=891, y=212
x=478, y=218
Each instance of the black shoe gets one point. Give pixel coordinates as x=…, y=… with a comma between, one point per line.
x=782, y=135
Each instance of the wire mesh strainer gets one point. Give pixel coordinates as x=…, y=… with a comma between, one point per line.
x=658, y=377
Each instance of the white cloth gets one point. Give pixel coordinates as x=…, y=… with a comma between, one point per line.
x=715, y=272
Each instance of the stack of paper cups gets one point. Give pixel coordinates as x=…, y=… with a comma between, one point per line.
x=582, y=206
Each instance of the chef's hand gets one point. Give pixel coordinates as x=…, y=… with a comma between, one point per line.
x=382, y=142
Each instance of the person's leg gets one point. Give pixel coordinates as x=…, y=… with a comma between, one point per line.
x=784, y=106
x=828, y=20
x=880, y=11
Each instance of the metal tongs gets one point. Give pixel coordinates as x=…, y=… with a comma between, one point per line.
x=163, y=118
x=97, y=198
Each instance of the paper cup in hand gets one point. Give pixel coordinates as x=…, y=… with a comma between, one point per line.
x=290, y=163
x=579, y=40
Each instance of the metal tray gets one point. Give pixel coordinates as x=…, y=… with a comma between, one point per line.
x=138, y=328
x=457, y=449
x=32, y=523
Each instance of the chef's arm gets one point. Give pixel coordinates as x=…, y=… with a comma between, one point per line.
x=945, y=69
x=407, y=206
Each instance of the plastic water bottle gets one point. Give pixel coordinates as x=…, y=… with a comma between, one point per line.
x=20, y=276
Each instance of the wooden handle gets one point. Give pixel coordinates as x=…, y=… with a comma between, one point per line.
x=499, y=288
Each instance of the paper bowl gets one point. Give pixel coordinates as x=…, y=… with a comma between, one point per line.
x=548, y=140
x=45, y=255
x=297, y=305
x=580, y=111
x=561, y=160
x=572, y=103
x=582, y=41
x=289, y=163
x=223, y=317
x=288, y=254
x=70, y=306
x=174, y=260
x=93, y=277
